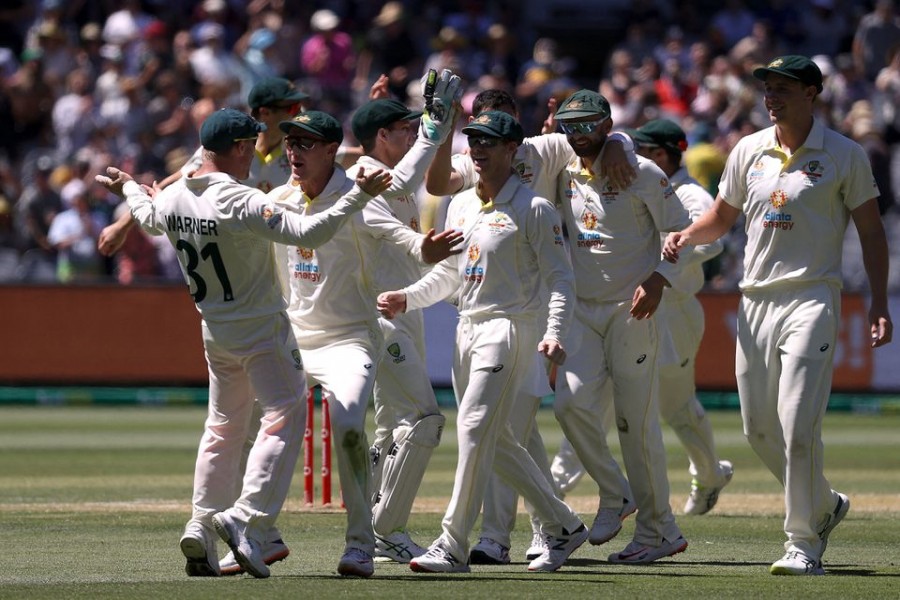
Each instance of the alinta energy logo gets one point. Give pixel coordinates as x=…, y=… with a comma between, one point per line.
x=474, y=273
x=304, y=269
x=587, y=238
x=777, y=219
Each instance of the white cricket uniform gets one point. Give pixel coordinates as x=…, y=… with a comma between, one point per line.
x=223, y=231
x=332, y=309
x=614, y=240
x=797, y=208
x=403, y=392
x=682, y=316
x=511, y=244
x=266, y=171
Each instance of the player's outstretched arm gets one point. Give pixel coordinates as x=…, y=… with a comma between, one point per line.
x=712, y=225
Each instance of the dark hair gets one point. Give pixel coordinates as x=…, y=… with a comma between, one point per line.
x=492, y=100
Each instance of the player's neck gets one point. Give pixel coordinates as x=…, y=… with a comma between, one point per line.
x=792, y=134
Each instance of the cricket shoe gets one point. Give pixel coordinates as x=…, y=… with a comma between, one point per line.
x=198, y=544
x=272, y=552
x=608, y=522
x=636, y=553
x=840, y=511
x=356, y=563
x=245, y=550
x=537, y=547
x=703, y=498
x=489, y=552
x=796, y=562
x=396, y=547
x=559, y=549
x=437, y=560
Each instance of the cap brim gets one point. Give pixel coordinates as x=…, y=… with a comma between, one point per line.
x=474, y=129
x=288, y=126
x=413, y=114
x=577, y=114
x=761, y=73
x=296, y=96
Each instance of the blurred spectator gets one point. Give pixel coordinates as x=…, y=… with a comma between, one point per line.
x=72, y=113
x=389, y=49
x=826, y=29
x=330, y=61
x=216, y=69
x=31, y=102
x=876, y=35
x=35, y=210
x=730, y=24
x=73, y=234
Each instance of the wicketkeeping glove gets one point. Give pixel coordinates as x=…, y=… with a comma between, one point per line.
x=438, y=117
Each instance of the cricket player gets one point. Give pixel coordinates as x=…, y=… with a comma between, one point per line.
x=538, y=160
x=681, y=316
x=407, y=418
x=513, y=240
x=798, y=183
x=332, y=305
x=223, y=232
x=614, y=241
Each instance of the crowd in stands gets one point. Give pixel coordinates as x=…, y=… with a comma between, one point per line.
x=89, y=83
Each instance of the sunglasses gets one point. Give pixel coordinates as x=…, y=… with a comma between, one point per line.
x=296, y=144
x=583, y=128
x=484, y=141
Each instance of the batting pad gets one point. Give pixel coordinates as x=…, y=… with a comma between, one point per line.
x=402, y=472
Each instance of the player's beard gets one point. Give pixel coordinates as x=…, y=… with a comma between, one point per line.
x=591, y=149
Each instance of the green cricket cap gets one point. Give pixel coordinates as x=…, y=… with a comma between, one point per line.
x=222, y=128
x=661, y=132
x=376, y=114
x=495, y=123
x=274, y=90
x=320, y=124
x=794, y=66
x=583, y=103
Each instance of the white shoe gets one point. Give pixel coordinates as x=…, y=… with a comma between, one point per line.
x=703, y=498
x=796, y=563
x=636, y=553
x=198, y=544
x=608, y=522
x=489, y=552
x=356, y=563
x=840, y=511
x=559, y=549
x=437, y=560
x=245, y=550
x=272, y=552
x=396, y=547
x=537, y=547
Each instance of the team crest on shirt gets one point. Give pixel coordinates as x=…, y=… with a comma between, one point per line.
x=272, y=217
x=499, y=223
x=758, y=170
x=609, y=192
x=396, y=354
x=525, y=172
x=813, y=170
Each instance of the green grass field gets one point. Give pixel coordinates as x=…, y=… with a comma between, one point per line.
x=93, y=500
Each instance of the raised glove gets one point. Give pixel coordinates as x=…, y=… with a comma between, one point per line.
x=437, y=119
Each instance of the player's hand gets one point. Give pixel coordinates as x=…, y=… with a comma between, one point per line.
x=437, y=120
x=549, y=124
x=882, y=328
x=614, y=165
x=647, y=296
x=114, y=180
x=552, y=350
x=113, y=237
x=675, y=241
x=437, y=247
x=379, y=89
x=391, y=303
x=374, y=183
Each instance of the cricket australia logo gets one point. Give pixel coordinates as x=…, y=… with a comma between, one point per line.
x=396, y=355
x=813, y=171
x=525, y=172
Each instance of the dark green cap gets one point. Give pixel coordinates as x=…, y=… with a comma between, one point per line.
x=274, y=90
x=222, y=128
x=376, y=114
x=495, y=123
x=583, y=103
x=661, y=132
x=794, y=66
x=320, y=124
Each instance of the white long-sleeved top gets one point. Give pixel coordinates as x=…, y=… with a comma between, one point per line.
x=614, y=235
x=697, y=201
x=332, y=290
x=393, y=266
x=510, y=245
x=222, y=230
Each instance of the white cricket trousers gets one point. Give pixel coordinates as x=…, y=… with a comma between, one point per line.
x=783, y=363
x=491, y=359
x=250, y=358
x=678, y=403
x=346, y=372
x=403, y=392
x=614, y=345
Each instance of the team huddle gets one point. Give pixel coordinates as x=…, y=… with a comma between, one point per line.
x=574, y=260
